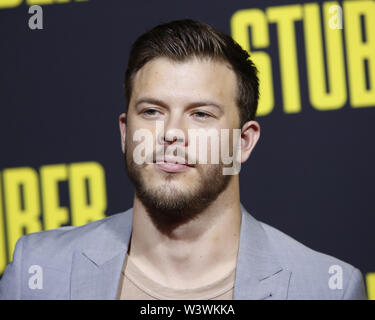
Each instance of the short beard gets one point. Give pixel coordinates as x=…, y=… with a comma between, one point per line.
x=169, y=208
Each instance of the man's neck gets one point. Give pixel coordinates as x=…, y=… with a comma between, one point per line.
x=194, y=254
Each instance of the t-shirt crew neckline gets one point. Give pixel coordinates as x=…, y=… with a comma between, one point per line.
x=159, y=291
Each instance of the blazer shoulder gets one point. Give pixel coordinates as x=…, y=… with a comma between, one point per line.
x=54, y=244
x=313, y=271
x=293, y=251
x=52, y=252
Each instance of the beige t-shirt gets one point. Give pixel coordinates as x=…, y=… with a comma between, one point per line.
x=135, y=285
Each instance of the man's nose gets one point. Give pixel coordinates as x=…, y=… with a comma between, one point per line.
x=174, y=131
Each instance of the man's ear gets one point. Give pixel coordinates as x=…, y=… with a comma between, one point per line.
x=122, y=123
x=250, y=134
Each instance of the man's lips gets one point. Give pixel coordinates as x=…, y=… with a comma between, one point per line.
x=173, y=164
x=172, y=167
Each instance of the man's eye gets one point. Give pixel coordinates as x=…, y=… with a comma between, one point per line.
x=150, y=112
x=201, y=115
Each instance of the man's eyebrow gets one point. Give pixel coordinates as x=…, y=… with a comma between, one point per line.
x=151, y=101
x=190, y=105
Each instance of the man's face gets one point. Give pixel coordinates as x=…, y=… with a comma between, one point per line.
x=195, y=94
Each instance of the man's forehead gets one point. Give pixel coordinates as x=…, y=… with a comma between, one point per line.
x=205, y=78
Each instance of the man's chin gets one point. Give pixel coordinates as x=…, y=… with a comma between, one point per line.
x=174, y=198
x=168, y=203
x=169, y=188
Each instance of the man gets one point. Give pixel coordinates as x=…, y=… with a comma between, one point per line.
x=187, y=235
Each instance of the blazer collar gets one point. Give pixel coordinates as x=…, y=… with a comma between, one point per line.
x=96, y=268
x=259, y=274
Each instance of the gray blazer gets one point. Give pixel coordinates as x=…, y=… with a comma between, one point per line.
x=85, y=263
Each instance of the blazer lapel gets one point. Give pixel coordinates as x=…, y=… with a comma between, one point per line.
x=258, y=274
x=97, y=266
